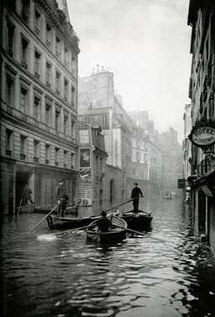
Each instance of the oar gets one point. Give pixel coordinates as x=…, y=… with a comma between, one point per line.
x=131, y=230
x=119, y=205
x=43, y=218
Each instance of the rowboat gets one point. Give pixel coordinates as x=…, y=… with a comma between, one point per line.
x=140, y=220
x=117, y=231
x=63, y=223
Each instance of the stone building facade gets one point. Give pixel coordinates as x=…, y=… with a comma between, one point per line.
x=39, y=90
x=201, y=17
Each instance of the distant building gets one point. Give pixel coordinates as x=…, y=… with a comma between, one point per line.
x=39, y=90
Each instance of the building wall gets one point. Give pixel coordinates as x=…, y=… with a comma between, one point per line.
x=39, y=69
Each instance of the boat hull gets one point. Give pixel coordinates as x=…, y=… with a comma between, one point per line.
x=116, y=233
x=138, y=221
x=63, y=223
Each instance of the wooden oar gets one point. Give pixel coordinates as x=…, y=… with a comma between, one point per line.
x=131, y=230
x=43, y=218
x=119, y=205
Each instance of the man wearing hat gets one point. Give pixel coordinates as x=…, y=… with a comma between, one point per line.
x=104, y=223
x=135, y=194
x=61, y=196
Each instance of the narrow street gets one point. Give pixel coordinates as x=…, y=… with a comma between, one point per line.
x=166, y=273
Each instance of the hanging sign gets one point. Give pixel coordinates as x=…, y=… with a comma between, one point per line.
x=203, y=134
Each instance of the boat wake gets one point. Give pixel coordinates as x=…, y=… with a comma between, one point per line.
x=46, y=237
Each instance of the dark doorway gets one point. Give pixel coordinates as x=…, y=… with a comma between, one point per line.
x=22, y=179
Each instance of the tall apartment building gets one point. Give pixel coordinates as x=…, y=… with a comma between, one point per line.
x=39, y=90
x=201, y=17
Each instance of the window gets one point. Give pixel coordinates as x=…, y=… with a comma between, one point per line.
x=9, y=93
x=105, y=121
x=73, y=62
x=57, y=156
x=66, y=89
x=65, y=124
x=36, y=151
x=66, y=55
x=36, y=108
x=37, y=23
x=10, y=37
x=72, y=128
x=57, y=83
x=48, y=36
x=24, y=52
x=23, y=100
x=37, y=61
x=73, y=96
x=58, y=47
x=65, y=158
x=72, y=160
x=48, y=74
x=48, y=115
x=25, y=10
x=8, y=142
x=47, y=154
x=57, y=119
x=23, y=147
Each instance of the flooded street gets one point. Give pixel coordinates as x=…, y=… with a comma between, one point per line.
x=165, y=273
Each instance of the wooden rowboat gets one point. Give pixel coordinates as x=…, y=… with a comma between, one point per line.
x=140, y=220
x=64, y=223
x=117, y=231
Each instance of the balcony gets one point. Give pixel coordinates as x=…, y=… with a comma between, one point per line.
x=22, y=156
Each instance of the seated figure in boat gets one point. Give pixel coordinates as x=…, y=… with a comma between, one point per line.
x=135, y=194
x=104, y=223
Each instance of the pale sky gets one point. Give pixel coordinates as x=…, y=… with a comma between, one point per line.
x=146, y=44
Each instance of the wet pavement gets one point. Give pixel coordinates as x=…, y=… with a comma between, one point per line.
x=166, y=273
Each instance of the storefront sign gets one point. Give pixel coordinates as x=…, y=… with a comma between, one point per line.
x=203, y=135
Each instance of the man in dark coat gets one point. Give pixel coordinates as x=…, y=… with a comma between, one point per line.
x=61, y=196
x=104, y=223
x=135, y=194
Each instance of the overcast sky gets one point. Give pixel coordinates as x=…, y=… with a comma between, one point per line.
x=146, y=44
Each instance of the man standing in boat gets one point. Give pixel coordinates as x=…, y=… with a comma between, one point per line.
x=135, y=194
x=62, y=197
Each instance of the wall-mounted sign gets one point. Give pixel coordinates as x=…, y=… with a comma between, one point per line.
x=84, y=157
x=203, y=134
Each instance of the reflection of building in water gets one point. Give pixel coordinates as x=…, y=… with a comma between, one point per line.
x=39, y=59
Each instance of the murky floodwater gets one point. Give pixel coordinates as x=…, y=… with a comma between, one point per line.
x=166, y=273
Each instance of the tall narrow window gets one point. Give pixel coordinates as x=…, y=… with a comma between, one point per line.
x=24, y=52
x=57, y=156
x=9, y=91
x=72, y=160
x=65, y=158
x=36, y=151
x=23, y=147
x=37, y=108
x=25, y=10
x=37, y=66
x=66, y=84
x=73, y=129
x=48, y=115
x=57, y=119
x=38, y=23
x=57, y=78
x=66, y=56
x=73, y=96
x=23, y=100
x=47, y=153
x=58, y=47
x=65, y=124
x=73, y=62
x=8, y=142
x=48, y=36
x=48, y=74
x=10, y=37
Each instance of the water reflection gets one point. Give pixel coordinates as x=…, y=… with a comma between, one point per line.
x=166, y=273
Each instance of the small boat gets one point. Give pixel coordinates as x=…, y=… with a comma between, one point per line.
x=63, y=223
x=140, y=220
x=117, y=231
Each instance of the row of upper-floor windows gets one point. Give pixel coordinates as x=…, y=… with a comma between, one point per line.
x=33, y=103
x=32, y=16
x=54, y=155
x=31, y=59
